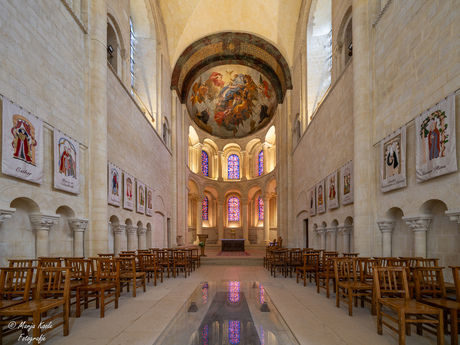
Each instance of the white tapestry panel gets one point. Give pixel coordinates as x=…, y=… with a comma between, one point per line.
x=66, y=163
x=332, y=190
x=320, y=200
x=311, y=193
x=114, y=188
x=346, y=191
x=393, y=161
x=149, y=206
x=435, y=148
x=128, y=189
x=22, y=143
x=140, y=204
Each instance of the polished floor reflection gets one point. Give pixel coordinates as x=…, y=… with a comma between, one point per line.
x=228, y=312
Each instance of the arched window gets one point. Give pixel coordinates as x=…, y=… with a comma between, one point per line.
x=233, y=209
x=233, y=167
x=261, y=208
x=204, y=208
x=204, y=163
x=261, y=162
x=131, y=52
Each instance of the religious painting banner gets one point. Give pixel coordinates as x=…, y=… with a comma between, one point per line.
x=140, y=204
x=22, y=143
x=149, y=203
x=435, y=147
x=311, y=193
x=332, y=190
x=128, y=191
x=66, y=163
x=114, y=190
x=393, y=161
x=320, y=201
x=346, y=191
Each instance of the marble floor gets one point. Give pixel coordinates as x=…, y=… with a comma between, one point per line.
x=311, y=317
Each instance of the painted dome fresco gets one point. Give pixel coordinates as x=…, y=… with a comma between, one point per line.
x=231, y=101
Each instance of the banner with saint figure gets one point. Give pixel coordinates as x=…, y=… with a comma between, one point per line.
x=22, y=143
x=435, y=148
x=128, y=191
x=320, y=200
x=66, y=163
x=346, y=190
x=312, y=197
x=332, y=190
x=140, y=204
x=114, y=188
x=393, y=161
x=149, y=202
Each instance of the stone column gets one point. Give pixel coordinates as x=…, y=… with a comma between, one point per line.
x=266, y=240
x=142, y=237
x=199, y=148
x=199, y=214
x=332, y=232
x=42, y=224
x=96, y=115
x=220, y=220
x=220, y=166
x=265, y=149
x=118, y=231
x=322, y=232
x=420, y=225
x=131, y=231
x=244, y=204
x=78, y=227
x=346, y=231
x=387, y=227
x=5, y=214
x=244, y=166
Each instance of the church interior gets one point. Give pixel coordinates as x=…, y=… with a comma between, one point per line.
x=129, y=125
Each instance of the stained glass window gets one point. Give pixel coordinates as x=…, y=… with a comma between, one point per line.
x=261, y=162
x=233, y=167
x=204, y=163
x=204, y=208
x=234, y=331
x=261, y=208
x=233, y=209
x=234, y=289
x=131, y=53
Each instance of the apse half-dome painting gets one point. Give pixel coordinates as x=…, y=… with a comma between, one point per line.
x=231, y=101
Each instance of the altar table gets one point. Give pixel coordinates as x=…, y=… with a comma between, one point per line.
x=232, y=245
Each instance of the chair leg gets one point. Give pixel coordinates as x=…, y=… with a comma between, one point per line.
x=379, y=319
x=402, y=328
x=350, y=301
x=102, y=303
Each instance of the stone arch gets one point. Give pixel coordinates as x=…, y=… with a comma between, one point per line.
x=149, y=235
x=117, y=54
x=61, y=236
x=344, y=39
x=400, y=239
x=160, y=222
x=114, y=223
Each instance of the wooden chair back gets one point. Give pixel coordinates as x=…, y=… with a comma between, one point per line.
x=366, y=272
x=456, y=275
x=412, y=260
x=344, y=269
x=49, y=262
x=180, y=257
x=21, y=262
x=391, y=282
x=382, y=260
x=80, y=269
x=53, y=282
x=15, y=283
x=108, y=271
x=429, y=282
x=398, y=262
x=431, y=262
x=350, y=255
x=106, y=255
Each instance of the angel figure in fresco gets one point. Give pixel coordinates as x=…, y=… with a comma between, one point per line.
x=199, y=93
x=23, y=141
x=392, y=159
x=434, y=138
x=332, y=188
x=320, y=195
x=214, y=84
x=114, y=182
x=129, y=189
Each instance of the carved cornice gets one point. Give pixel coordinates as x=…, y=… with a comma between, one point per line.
x=142, y=231
x=5, y=214
x=419, y=223
x=42, y=221
x=77, y=224
x=332, y=231
x=454, y=215
x=321, y=231
x=131, y=230
x=386, y=225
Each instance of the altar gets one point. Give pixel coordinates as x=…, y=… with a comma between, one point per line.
x=233, y=245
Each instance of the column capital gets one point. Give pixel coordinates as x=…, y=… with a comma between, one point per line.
x=77, y=224
x=42, y=221
x=345, y=229
x=331, y=231
x=454, y=215
x=119, y=229
x=5, y=214
x=386, y=225
x=321, y=231
x=419, y=223
x=131, y=229
x=142, y=231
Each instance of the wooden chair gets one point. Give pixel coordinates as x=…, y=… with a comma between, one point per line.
x=106, y=255
x=196, y=257
x=79, y=276
x=149, y=265
x=295, y=260
x=326, y=272
x=279, y=262
x=349, y=286
x=49, y=262
x=390, y=282
x=350, y=255
x=308, y=268
x=52, y=282
x=105, y=287
x=430, y=289
x=163, y=260
x=456, y=275
x=128, y=275
x=21, y=262
x=180, y=262
x=382, y=260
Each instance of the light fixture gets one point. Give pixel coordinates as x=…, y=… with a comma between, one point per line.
x=110, y=49
x=350, y=49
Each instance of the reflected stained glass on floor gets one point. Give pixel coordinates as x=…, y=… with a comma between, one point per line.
x=233, y=317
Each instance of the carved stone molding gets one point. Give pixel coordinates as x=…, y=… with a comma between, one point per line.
x=321, y=231
x=345, y=229
x=454, y=215
x=386, y=225
x=42, y=221
x=5, y=214
x=331, y=231
x=77, y=224
x=419, y=223
x=142, y=231
x=119, y=229
x=131, y=230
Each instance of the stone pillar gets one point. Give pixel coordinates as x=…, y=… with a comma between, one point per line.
x=265, y=149
x=244, y=204
x=199, y=215
x=220, y=166
x=332, y=232
x=322, y=232
x=220, y=220
x=199, y=148
x=266, y=240
x=244, y=166
x=346, y=231
x=118, y=231
x=78, y=227
x=96, y=115
x=5, y=214
x=42, y=224
x=142, y=237
x=387, y=227
x=420, y=225
x=131, y=231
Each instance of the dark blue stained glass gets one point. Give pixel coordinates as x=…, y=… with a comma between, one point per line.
x=233, y=209
x=234, y=331
x=233, y=167
x=132, y=39
x=261, y=162
x=261, y=208
x=204, y=163
x=204, y=208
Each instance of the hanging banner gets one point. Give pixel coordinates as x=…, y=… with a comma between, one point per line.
x=66, y=163
x=140, y=204
x=114, y=190
x=332, y=192
x=346, y=191
x=435, y=148
x=128, y=189
x=22, y=143
x=320, y=200
x=393, y=161
x=311, y=193
x=149, y=206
